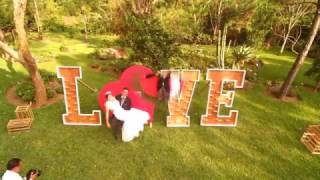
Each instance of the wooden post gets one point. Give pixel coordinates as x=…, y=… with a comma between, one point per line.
x=87, y=86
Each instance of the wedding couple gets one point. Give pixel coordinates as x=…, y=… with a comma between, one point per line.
x=126, y=122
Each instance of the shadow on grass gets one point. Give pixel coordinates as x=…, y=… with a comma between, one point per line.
x=8, y=78
x=275, y=69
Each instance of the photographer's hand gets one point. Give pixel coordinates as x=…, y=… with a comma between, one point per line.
x=33, y=176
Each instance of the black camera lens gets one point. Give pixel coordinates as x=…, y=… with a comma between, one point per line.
x=38, y=172
x=33, y=171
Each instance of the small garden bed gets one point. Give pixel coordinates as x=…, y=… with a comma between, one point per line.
x=310, y=88
x=273, y=89
x=24, y=92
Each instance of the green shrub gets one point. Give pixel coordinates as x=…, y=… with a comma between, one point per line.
x=72, y=31
x=314, y=72
x=198, y=58
x=179, y=23
x=47, y=76
x=151, y=45
x=94, y=66
x=120, y=65
x=243, y=58
x=178, y=63
x=252, y=67
x=203, y=39
x=59, y=90
x=64, y=48
x=314, y=51
x=50, y=92
x=53, y=24
x=105, y=68
x=26, y=91
x=241, y=55
x=103, y=54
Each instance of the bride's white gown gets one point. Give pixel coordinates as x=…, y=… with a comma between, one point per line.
x=174, y=85
x=134, y=119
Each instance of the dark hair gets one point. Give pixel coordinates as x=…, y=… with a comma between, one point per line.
x=125, y=88
x=107, y=95
x=13, y=163
x=31, y=172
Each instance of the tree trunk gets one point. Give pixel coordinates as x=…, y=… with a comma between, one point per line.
x=85, y=21
x=1, y=35
x=11, y=52
x=37, y=20
x=219, y=15
x=30, y=64
x=295, y=41
x=285, y=39
x=8, y=54
x=302, y=55
x=176, y=3
x=267, y=43
x=317, y=87
x=13, y=37
x=212, y=25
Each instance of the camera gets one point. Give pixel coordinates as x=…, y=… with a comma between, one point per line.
x=33, y=171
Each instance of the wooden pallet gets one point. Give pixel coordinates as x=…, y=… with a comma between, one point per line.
x=16, y=125
x=311, y=139
x=23, y=112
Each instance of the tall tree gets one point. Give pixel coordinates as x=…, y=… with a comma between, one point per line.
x=30, y=63
x=302, y=55
x=142, y=6
x=291, y=15
x=234, y=13
x=262, y=21
x=137, y=7
x=84, y=13
x=37, y=19
x=1, y=35
x=7, y=53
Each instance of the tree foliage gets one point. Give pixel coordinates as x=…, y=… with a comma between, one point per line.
x=6, y=15
x=151, y=45
x=314, y=71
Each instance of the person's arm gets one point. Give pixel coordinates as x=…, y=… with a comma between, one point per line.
x=150, y=75
x=129, y=103
x=107, y=117
x=118, y=97
x=33, y=176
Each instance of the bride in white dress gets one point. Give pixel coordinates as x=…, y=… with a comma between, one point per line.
x=133, y=119
x=174, y=84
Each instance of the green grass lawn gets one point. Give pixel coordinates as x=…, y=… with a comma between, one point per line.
x=264, y=145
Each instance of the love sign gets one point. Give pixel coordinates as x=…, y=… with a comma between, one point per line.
x=70, y=76
x=222, y=95
x=178, y=108
x=223, y=84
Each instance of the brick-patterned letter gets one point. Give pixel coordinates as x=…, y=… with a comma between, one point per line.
x=70, y=75
x=179, y=106
x=219, y=96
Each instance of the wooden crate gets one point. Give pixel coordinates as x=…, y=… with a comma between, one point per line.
x=311, y=139
x=16, y=125
x=23, y=112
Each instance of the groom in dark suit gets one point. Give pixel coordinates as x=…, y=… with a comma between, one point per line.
x=125, y=103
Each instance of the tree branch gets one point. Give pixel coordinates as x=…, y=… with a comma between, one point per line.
x=11, y=52
x=304, y=2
